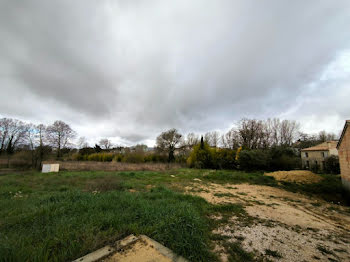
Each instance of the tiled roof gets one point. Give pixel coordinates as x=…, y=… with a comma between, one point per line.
x=322, y=147
x=347, y=123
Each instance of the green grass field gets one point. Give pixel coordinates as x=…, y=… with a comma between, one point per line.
x=60, y=217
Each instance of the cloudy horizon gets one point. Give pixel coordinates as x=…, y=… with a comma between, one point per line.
x=128, y=70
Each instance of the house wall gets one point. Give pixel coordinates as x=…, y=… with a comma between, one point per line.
x=313, y=156
x=344, y=159
x=333, y=151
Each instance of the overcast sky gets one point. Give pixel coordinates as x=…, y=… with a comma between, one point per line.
x=131, y=69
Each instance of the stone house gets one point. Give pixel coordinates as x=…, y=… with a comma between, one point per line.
x=344, y=155
x=316, y=155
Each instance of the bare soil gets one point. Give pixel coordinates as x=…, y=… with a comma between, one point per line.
x=283, y=226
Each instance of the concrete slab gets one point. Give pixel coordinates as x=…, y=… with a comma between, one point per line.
x=97, y=255
x=126, y=242
x=132, y=248
x=164, y=250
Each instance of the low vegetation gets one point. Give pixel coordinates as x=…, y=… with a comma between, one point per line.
x=63, y=222
x=66, y=215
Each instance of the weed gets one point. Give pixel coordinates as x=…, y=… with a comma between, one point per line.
x=240, y=238
x=237, y=253
x=218, y=237
x=316, y=204
x=273, y=253
x=340, y=250
x=236, y=209
x=224, y=195
x=325, y=250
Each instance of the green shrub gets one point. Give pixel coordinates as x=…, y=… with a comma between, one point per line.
x=156, y=157
x=254, y=160
x=118, y=158
x=78, y=157
x=202, y=156
x=101, y=157
x=284, y=158
x=225, y=159
x=315, y=168
x=332, y=165
x=134, y=157
x=87, y=151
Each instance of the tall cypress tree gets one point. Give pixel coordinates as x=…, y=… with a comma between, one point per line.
x=202, y=143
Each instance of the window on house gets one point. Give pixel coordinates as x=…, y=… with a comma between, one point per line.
x=323, y=154
x=306, y=154
x=307, y=164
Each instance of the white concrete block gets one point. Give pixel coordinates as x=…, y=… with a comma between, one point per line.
x=55, y=167
x=47, y=168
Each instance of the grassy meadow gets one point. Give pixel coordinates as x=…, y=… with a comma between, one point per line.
x=62, y=216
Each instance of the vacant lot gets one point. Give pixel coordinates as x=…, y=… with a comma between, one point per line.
x=203, y=215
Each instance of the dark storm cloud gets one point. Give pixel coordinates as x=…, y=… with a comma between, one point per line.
x=133, y=68
x=54, y=57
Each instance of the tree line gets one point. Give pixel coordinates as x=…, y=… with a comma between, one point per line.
x=248, y=134
x=16, y=135
x=251, y=136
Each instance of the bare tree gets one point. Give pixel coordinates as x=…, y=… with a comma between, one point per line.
x=60, y=135
x=4, y=133
x=212, y=138
x=105, y=143
x=167, y=142
x=82, y=143
x=323, y=136
x=36, y=138
x=251, y=132
x=231, y=139
x=289, y=131
x=282, y=133
x=192, y=139
x=13, y=134
x=140, y=148
x=42, y=131
x=32, y=141
x=272, y=127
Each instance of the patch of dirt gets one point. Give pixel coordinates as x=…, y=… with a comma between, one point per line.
x=298, y=176
x=141, y=251
x=287, y=243
x=298, y=227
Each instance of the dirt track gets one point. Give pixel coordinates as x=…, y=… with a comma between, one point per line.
x=297, y=227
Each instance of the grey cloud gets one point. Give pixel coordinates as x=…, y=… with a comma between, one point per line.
x=139, y=67
x=59, y=57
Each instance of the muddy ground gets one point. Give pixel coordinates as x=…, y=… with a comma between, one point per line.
x=280, y=225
